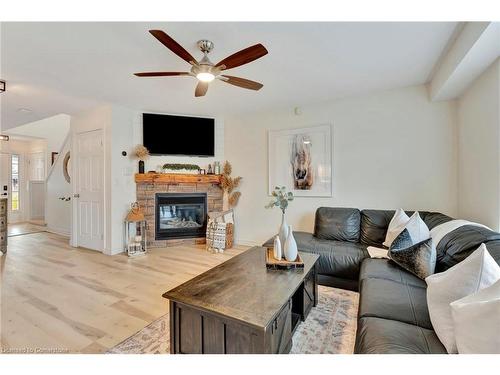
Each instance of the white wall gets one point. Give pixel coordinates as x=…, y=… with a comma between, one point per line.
x=58, y=212
x=122, y=176
x=390, y=149
x=479, y=158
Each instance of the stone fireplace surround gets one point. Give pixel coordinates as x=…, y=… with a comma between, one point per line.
x=149, y=184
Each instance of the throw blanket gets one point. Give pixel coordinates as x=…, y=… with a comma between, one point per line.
x=441, y=230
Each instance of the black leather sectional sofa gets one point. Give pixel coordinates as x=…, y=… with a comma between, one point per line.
x=393, y=316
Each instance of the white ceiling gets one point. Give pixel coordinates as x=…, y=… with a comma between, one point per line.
x=53, y=68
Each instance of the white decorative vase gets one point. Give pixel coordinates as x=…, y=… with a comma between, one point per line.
x=283, y=232
x=290, y=246
x=277, y=248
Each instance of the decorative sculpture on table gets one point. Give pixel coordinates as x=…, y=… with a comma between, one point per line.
x=135, y=231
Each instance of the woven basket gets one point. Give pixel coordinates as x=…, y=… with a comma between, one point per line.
x=220, y=231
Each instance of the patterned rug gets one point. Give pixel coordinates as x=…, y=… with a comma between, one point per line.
x=330, y=328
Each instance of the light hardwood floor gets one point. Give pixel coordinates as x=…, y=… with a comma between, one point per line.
x=24, y=228
x=58, y=298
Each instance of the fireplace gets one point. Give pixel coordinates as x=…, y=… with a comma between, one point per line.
x=180, y=215
x=151, y=186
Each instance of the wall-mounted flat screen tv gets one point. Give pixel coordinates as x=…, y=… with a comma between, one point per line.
x=178, y=135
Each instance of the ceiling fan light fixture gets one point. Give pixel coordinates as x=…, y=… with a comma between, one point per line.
x=205, y=77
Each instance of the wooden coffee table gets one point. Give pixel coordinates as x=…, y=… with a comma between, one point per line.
x=242, y=307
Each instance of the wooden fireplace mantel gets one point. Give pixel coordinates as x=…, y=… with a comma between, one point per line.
x=175, y=178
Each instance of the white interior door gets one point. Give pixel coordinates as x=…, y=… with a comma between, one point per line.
x=37, y=166
x=90, y=190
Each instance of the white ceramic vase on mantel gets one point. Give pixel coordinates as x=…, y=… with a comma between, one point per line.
x=283, y=232
x=290, y=249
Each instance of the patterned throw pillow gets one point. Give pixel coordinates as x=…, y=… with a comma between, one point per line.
x=419, y=258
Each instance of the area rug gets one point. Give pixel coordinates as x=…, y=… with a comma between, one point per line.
x=330, y=328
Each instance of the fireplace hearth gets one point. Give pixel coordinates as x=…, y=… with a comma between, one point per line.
x=180, y=215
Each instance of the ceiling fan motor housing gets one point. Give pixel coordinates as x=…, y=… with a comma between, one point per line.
x=205, y=45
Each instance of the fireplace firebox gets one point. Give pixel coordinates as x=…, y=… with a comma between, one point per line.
x=180, y=215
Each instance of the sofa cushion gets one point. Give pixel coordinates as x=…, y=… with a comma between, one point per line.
x=337, y=258
x=462, y=242
x=392, y=300
x=381, y=336
x=374, y=224
x=337, y=223
x=388, y=270
x=433, y=219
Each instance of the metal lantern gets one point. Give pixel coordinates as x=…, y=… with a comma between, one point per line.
x=135, y=231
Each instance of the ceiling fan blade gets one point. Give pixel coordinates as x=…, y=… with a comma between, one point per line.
x=243, y=57
x=242, y=82
x=162, y=74
x=201, y=89
x=173, y=46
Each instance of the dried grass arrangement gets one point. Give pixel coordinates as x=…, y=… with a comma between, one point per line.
x=141, y=152
x=230, y=184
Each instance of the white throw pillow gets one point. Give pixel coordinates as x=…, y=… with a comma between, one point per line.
x=479, y=270
x=476, y=321
x=417, y=228
x=396, y=225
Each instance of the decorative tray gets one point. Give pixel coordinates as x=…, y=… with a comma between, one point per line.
x=282, y=264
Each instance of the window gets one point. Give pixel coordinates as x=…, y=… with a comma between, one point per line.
x=15, y=183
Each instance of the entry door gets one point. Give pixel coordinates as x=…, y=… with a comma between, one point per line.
x=90, y=190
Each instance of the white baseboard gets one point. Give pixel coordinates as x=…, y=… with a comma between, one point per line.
x=59, y=231
x=113, y=252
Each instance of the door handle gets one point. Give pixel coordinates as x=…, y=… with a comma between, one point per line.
x=76, y=195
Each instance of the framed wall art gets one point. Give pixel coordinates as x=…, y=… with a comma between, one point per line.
x=301, y=160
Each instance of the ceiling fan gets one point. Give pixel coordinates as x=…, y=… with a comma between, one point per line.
x=206, y=71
